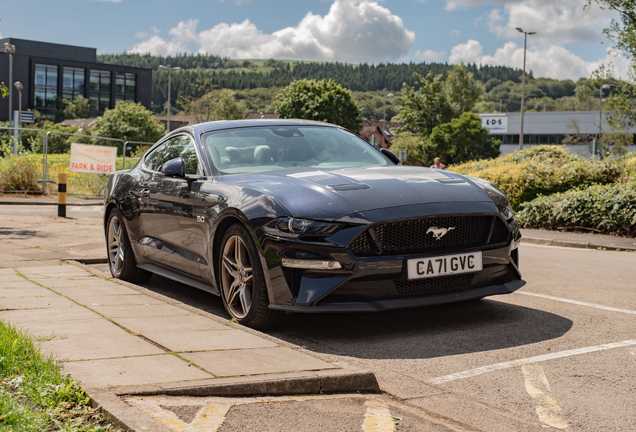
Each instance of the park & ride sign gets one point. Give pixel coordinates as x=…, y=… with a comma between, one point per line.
x=93, y=159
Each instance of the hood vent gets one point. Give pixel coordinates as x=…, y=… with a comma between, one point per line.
x=348, y=187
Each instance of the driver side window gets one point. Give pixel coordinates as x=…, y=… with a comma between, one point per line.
x=179, y=146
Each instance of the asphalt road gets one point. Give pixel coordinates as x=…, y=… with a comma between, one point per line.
x=560, y=353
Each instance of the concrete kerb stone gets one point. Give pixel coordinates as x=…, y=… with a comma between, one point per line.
x=571, y=244
x=121, y=414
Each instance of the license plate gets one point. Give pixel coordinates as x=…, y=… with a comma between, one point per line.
x=444, y=265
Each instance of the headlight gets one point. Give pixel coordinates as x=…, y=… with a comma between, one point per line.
x=294, y=228
x=507, y=213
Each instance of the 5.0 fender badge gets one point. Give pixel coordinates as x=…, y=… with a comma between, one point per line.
x=438, y=233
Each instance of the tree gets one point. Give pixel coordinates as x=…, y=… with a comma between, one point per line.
x=425, y=108
x=462, y=90
x=322, y=100
x=461, y=140
x=4, y=90
x=214, y=105
x=414, y=146
x=129, y=122
x=72, y=109
x=228, y=108
x=619, y=107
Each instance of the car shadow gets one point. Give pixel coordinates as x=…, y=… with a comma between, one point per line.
x=424, y=332
x=417, y=333
x=20, y=234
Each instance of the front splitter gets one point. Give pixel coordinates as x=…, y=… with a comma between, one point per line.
x=402, y=303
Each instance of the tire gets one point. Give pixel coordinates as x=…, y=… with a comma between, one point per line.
x=242, y=281
x=121, y=259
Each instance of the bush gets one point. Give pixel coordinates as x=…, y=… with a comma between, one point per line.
x=604, y=208
x=19, y=173
x=543, y=170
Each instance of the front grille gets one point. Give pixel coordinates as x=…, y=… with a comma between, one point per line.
x=413, y=236
x=434, y=285
x=499, y=232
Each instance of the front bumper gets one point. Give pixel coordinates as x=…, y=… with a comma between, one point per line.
x=376, y=283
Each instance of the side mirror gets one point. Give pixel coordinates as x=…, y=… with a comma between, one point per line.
x=174, y=168
x=391, y=156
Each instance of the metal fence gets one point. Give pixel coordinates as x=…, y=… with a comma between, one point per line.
x=45, y=159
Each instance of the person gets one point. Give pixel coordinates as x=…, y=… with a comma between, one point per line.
x=438, y=164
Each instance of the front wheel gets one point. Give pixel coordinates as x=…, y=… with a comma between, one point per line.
x=242, y=281
x=121, y=259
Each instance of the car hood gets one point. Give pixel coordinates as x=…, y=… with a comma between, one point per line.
x=311, y=192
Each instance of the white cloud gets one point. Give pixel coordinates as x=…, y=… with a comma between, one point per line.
x=551, y=61
x=564, y=20
x=429, y=55
x=182, y=35
x=352, y=31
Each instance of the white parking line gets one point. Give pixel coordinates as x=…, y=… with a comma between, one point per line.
x=515, y=363
x=91, y=208
x=580, y=303
x=538, y=388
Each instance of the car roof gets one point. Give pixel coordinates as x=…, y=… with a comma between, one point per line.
x=233, y=124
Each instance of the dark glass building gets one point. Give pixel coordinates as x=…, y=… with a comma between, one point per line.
x=50, y=71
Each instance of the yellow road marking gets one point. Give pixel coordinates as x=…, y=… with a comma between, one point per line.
x=212, y=415
x=377, y=418
x=539, y=389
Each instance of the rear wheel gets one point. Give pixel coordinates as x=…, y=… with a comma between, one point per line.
x=242, y=281
x=121, y=259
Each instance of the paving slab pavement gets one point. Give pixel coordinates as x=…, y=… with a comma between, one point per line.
x=112, y=335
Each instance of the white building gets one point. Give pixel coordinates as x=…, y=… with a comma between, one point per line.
x=545, y=128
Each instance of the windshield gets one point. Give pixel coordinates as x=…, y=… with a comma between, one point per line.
x=266, y=148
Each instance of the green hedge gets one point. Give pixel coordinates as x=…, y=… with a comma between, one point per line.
x=606, y=208
x=543, y=170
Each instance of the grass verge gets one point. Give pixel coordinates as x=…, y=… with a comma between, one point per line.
x=35, y=395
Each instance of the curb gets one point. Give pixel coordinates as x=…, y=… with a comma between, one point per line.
x=128, y=417
x=571, y=244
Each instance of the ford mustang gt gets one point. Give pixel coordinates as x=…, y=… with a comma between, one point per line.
x=279, y=216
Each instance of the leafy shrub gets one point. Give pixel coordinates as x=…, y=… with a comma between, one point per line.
x=606, y=208
x=542, y=170
x=19, y=173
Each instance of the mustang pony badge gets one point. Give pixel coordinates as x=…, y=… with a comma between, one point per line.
x=438, y=233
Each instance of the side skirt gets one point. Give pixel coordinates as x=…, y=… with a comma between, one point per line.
x=178, y=278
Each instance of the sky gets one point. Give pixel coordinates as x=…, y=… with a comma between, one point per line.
x=568, y=44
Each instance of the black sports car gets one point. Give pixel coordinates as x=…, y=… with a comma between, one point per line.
x=281, y=216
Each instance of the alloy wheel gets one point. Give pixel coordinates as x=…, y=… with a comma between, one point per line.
x=236, y=277
x=115, y=246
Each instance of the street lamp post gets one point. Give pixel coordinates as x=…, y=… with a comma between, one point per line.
x=169, y=69
x=600, y=110
x=384, y=116
x=10, y=51
x=19, y=87
x=523, y=84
